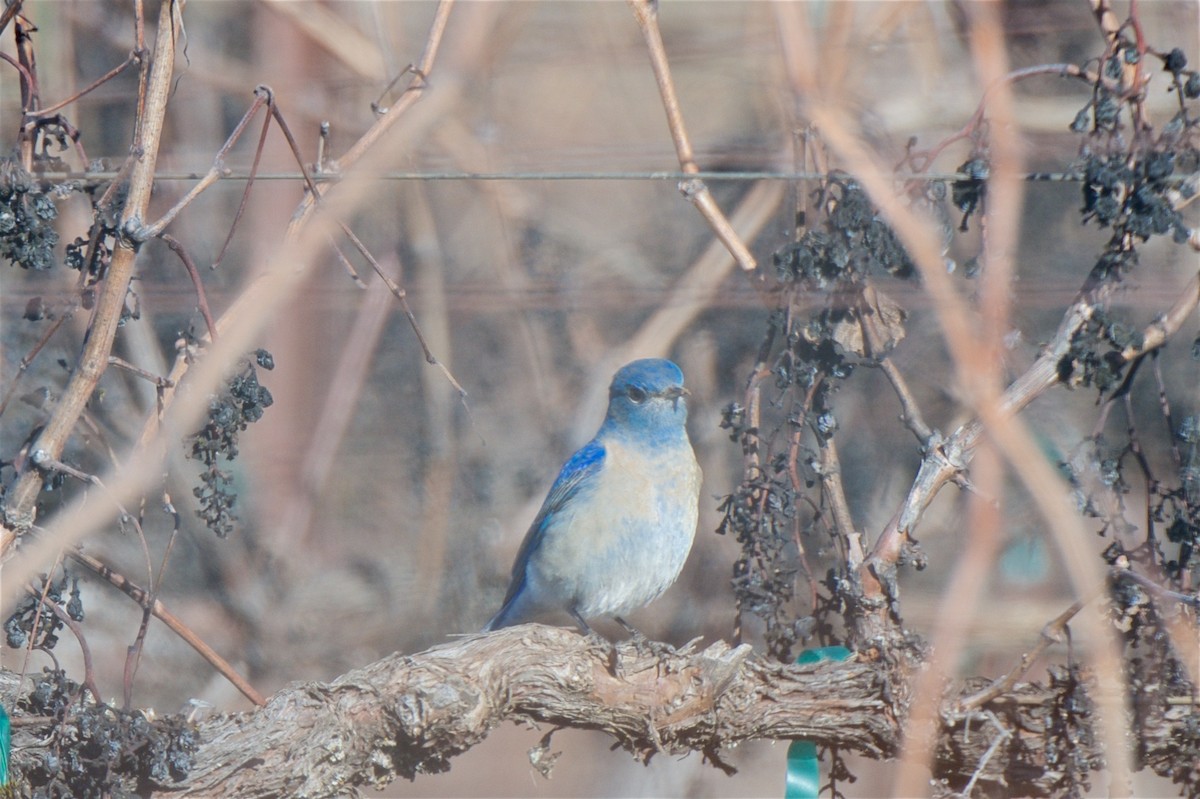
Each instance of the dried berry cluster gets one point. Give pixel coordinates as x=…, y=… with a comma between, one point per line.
x=761, y=514
x=853, y=242
x=1130, y=195
x=27, y=215
x=1068, y=738
x=805, y=359
x=31, y=619
x=243, y=403
x=95, y=750
x=1095, y=355
x=1128, y=186
x=1179, y=507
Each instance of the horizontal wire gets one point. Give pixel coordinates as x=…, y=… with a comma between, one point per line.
x=546, y=176
x=1032, y=292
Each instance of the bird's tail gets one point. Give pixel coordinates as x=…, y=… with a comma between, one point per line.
x=501, y=619
x=517, y=609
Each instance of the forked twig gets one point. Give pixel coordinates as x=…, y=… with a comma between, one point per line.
x=261, y=98
x=1052, y=633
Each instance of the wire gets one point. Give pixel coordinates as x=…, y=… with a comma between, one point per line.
x=547, y=176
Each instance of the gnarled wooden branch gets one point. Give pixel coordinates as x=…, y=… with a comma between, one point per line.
x=411, y=714
x=405, y=715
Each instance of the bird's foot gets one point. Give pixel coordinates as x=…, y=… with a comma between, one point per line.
x=594, y=639
x=644, y=645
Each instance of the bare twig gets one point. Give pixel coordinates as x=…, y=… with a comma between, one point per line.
x=1052, y=633
x=10, y=11
x=89, y=673
x=345, y=262
x=1190, y=600
x=922, y=160
x=910, y=412
x=703, y=278
x=402, y=296
x=197, y=283
x=133, y=58
x=1157, y=332
x=150, y=377
x=835, y=493
x=156, y=607
x=695, y=190
x=27, y=360
x=261, y=98
x=1002, y=736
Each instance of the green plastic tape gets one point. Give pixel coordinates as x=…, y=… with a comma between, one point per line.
x=803, y=768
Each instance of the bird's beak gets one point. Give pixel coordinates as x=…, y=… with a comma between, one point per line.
x=675, y=392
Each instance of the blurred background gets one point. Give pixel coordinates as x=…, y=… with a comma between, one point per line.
x=378, y=511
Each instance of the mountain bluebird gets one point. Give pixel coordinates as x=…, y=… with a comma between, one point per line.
x=619, y=521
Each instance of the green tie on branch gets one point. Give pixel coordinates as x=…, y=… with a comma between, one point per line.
x=803, y=767
x=5, y=742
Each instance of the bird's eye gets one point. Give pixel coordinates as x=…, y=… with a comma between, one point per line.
x=637, y=395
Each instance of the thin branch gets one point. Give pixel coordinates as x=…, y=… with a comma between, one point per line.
x=402, y=296
x=920, y=160
x=194, y=274
x=910, y=412
x=702, y=279
x=10, y=11
x=1157, y=332
x=121, y=363
x=694, y=189
x=262, y=94
x=835, y=492
x=261, y=97
x=156, y=607
x=345, y=262
x=133, y=58
x=27, y=360
x=1190, y=600
x=26, y=77
x=1053, y=633
x=89, y=673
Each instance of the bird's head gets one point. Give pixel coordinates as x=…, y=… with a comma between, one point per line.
x=647, y=398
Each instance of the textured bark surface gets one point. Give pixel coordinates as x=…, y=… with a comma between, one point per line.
x=411, y=714
x=404, y=715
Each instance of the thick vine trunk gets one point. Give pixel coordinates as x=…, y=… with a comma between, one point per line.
x=410, y=714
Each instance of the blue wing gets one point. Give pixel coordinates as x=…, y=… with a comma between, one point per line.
x=583, y=465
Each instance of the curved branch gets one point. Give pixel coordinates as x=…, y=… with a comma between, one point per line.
x=405, y=715
x=411, y=714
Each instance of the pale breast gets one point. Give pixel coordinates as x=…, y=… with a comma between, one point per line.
x=633, y=530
